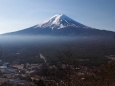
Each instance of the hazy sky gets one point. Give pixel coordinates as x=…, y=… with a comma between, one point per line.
x=20, y=14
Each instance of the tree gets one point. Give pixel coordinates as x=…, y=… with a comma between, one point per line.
x=65, y=69
x=104, y=75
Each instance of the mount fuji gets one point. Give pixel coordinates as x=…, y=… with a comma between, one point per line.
x=62, y=25
x=60, y=21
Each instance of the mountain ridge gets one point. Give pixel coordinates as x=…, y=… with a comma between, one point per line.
x=62, y=25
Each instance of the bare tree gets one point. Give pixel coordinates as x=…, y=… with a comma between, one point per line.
x=65, y=69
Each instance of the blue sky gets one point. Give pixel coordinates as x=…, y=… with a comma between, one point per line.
x=20, y=14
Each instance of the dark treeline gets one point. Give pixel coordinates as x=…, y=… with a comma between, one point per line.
x=27, y=49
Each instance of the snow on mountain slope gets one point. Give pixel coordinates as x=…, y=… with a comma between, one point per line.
x=60, y=21
x=61, y=25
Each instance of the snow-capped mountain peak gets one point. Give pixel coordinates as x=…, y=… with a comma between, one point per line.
x=59, y=21
x=61, y=25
